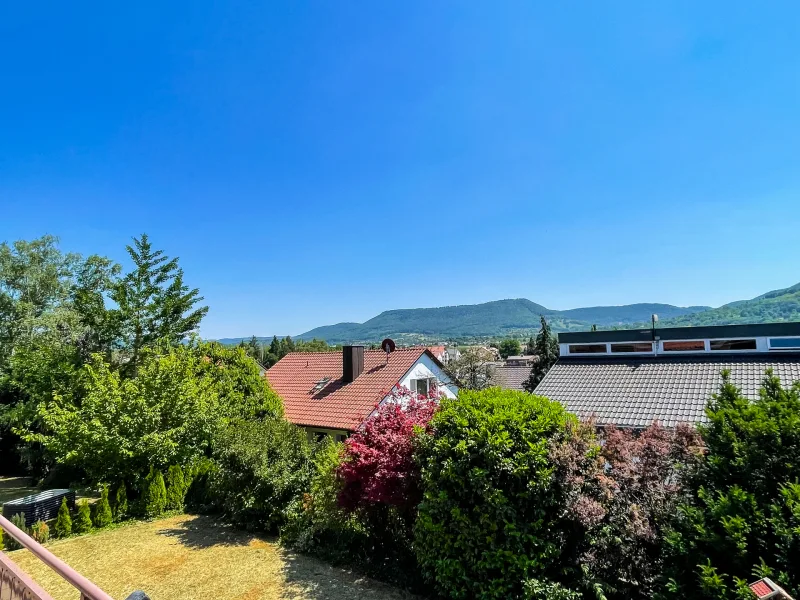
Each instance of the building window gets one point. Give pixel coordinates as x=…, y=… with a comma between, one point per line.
x=784, y=343
x=633, y=347
x=733, y=344
x=587, y=349
x=340, y=437
x=695, y=346
x=320, y=435
x=423, y=387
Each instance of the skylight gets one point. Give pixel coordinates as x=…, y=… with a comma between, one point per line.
x=320, y=384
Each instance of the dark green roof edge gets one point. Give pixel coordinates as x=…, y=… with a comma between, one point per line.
x=681, y=333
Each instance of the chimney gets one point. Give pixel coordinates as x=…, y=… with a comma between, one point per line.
x=352, y=362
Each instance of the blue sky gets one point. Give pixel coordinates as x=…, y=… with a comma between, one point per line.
x=316, y=162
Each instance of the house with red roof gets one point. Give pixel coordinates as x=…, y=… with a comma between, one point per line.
x=332, y=393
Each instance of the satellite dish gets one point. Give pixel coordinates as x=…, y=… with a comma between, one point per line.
x=388, y=345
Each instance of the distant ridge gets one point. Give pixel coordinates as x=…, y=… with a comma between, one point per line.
x=520, y=317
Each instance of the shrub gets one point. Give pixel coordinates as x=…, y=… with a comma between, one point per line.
x=40, y=532
x=102, y=510
x=63, y=526
x=741, y=516
x=176, y=488
x=199, y=495
x=83, y=521
x=378, y=467
x=263, y=467
x=619, y=498
x=120, y=507
x=487, y=521
x=154, y=495
x=9, y=542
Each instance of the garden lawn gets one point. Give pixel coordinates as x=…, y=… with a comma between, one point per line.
x=197, y=558
x=12, y=488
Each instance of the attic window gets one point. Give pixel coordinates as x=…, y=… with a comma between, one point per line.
x=784, y=343
x=633, y=347
x=320, y=384
x=588, y=349
x=733, y=344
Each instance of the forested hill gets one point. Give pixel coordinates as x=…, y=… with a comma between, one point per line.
x=775, y=306
x=500, y=318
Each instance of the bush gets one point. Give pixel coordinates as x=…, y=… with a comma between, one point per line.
x=619, y=498
x=262, y=468
x=154, y=495
x=487, y=521
x=9, y=542
x=119, y=509
x=40, y=532
x=176, y=488
x=199, y=495
x=741, y=516
x=102, y=510
x=63, y=526
x=83, y=521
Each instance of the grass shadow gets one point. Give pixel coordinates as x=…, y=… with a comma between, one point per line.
x=205, y=531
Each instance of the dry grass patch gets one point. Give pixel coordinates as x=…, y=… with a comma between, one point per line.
x=194, y=558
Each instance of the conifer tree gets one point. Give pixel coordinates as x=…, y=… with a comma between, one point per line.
x=176, y=488
x=83, y=522
x=153, y=301
x=546, y=351
x=63, y=526
x=120, y=508
x=102, y=510
x=154, y=498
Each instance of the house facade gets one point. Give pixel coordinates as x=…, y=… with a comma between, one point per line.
x=332, y=393
x=631, y=378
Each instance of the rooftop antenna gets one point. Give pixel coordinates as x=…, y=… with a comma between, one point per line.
x=388, y=346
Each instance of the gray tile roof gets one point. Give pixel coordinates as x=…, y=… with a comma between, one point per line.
x=633, y=392
x=510, y=377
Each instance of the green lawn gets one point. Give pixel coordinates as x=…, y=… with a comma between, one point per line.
x=197, y=558
x=12, y=488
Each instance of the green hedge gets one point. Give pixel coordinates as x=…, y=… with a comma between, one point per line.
x=487, y=524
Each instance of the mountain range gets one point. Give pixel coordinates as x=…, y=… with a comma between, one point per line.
x=520, y=318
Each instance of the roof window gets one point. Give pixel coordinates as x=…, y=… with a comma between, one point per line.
x=733, y=345
x=320, y=384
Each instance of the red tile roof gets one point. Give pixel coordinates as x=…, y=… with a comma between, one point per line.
x=438, y=351
x=335, y=405
x=761, y=589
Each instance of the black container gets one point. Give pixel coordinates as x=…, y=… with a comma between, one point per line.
x=39, y=507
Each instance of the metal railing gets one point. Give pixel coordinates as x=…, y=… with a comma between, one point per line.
x=15, y=584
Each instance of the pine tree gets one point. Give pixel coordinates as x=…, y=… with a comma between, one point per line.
x=546, y=351
x=153, y=301
x=83, y=522
x=63, y=526
x=530, y=347
x=176, y=488
x=120, y=508
x=102, y=510
x=154, y=498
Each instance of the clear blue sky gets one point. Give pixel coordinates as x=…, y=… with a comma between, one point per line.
x=320, y=162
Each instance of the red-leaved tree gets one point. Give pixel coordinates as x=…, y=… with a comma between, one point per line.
x=377, y=467
x=619, y=497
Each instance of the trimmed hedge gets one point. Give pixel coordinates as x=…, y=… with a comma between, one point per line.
x=487, y=525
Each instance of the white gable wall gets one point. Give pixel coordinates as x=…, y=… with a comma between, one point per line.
x=426, y=368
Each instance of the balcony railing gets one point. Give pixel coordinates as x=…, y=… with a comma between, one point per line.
x=15, y=584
